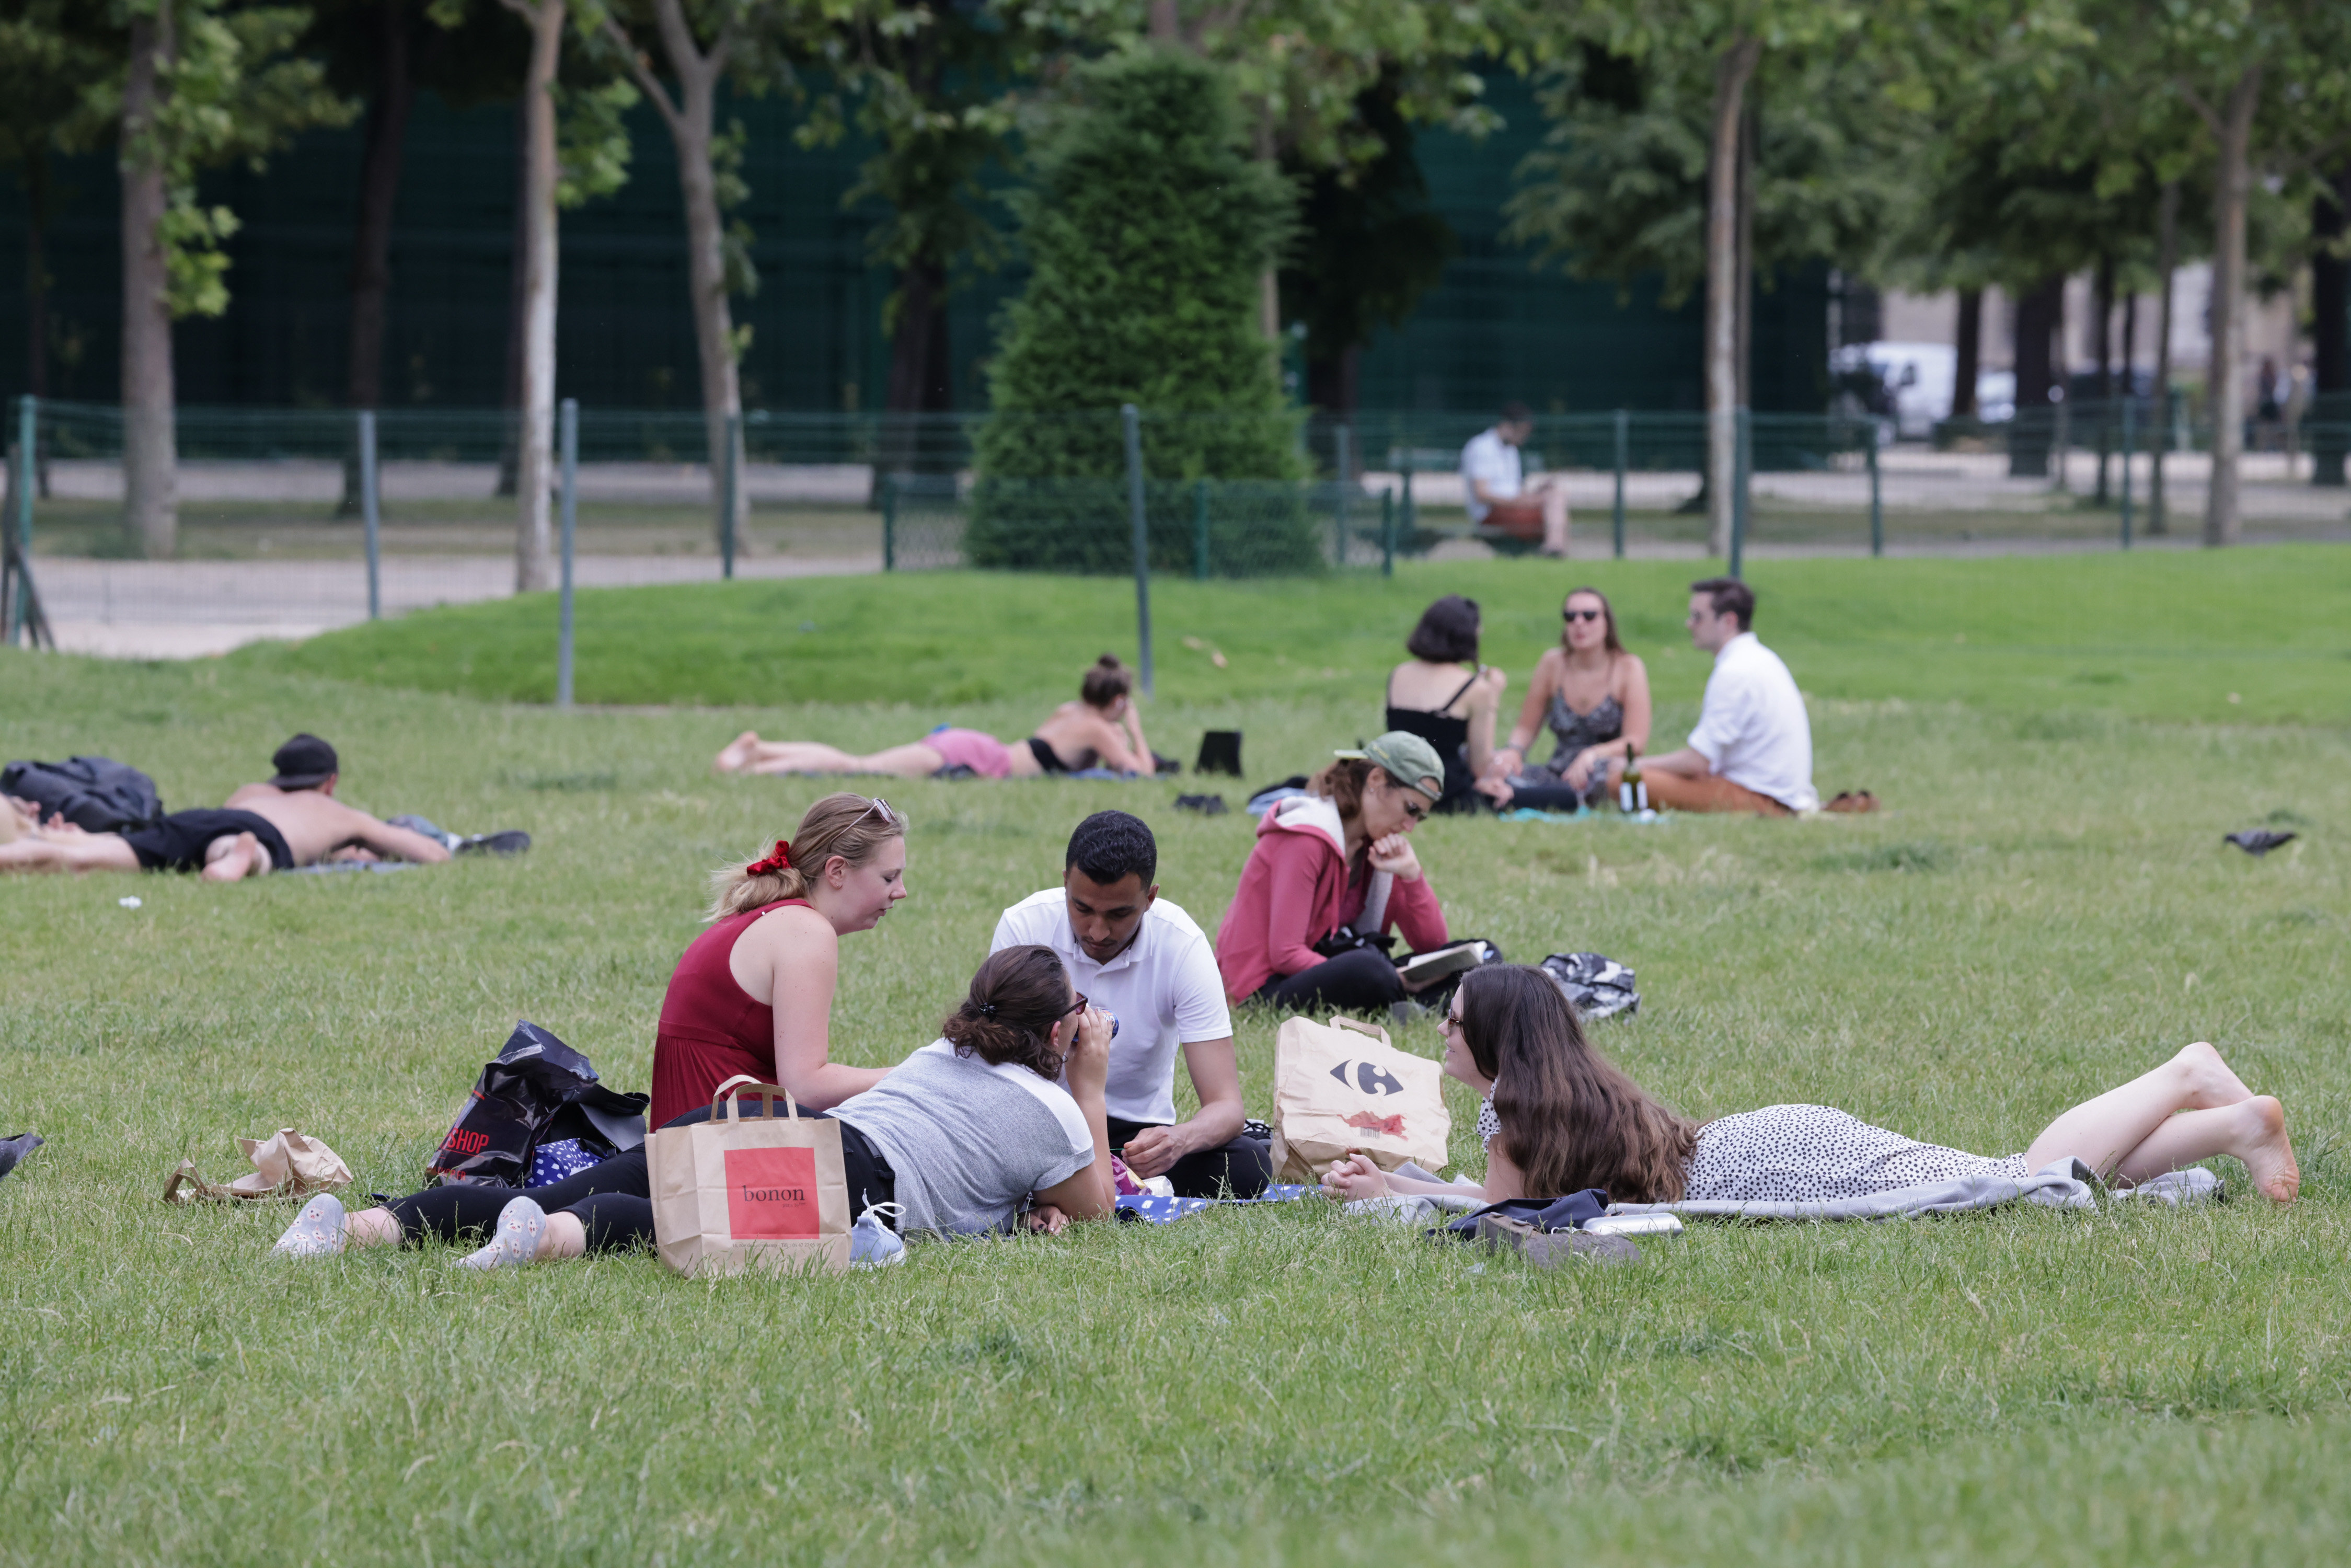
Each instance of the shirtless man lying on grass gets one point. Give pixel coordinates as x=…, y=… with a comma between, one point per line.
x=293, y=820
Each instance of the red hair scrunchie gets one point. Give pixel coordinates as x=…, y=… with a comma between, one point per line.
x=779, y=859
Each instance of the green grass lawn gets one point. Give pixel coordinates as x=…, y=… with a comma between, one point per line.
x=2160, y=635
x=2043, y=909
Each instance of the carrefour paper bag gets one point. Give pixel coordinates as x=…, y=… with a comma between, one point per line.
x=1340, y=1087
x=736, y=1192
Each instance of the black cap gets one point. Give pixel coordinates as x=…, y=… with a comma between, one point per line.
x=303, y=762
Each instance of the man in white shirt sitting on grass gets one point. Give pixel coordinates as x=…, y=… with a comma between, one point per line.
x=1138, y=956
x=1753, y=748
x=1494, y=487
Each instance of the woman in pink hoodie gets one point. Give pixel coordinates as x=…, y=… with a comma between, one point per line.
x=1338, y=856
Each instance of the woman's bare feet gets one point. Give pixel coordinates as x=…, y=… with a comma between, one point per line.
x=2211, y=1083
x=735, y=755
x=2267, y=1152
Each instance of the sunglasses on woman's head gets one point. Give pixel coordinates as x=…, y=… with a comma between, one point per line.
x=1582, y=615
x=877, y=804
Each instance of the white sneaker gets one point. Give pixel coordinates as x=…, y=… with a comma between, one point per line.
x=872, y=1243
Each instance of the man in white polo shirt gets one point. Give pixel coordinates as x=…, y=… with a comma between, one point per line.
x=1494, y=486
x=1753, y=748
x=1140, y=956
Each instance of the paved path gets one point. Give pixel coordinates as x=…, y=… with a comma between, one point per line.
x=187, y=609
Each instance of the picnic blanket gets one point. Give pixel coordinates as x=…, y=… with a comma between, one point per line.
x=1156, y=1210
x=2067, y=1184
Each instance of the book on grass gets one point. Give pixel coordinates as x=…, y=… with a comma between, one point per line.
x=1440, y=962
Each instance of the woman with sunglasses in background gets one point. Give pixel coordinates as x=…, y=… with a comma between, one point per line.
x=1594, y=698
x=1332, y=871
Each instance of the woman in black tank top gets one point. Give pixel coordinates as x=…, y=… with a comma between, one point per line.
x=1451, y=710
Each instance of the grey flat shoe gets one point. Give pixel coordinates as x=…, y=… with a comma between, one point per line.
x=317, y=1232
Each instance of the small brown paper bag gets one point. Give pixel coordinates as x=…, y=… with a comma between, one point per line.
x=285, y=1164
x=768, y=1191
x=1340, y=1087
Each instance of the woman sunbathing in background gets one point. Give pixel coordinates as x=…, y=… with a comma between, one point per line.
x=1559, y=1117
x=1099, y=730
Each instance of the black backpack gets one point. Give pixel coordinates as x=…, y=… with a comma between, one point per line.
x=95, y=793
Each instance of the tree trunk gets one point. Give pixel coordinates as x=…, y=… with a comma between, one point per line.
x=1749, y=132
x=517, y=302
x=535, y=563
x=1333, y=385
x=2226, y=378
x=692, y=117
x=37, y=297
x=380, y=165
x=2330, y=348
x=921, y=374
x=1164, y=23
x=2167, y=262
x=2101, y=346
x=1970, y=350
x=1723, y=306
x=150, y=507
x=2030, y=431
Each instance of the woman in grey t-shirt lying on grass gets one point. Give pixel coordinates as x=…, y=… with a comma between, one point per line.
x=953, y=1142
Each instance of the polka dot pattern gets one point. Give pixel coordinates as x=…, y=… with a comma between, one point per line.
x=1800, y=1153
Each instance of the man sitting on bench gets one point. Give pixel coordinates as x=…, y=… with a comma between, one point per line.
x=292, y=820
x=1494, y=488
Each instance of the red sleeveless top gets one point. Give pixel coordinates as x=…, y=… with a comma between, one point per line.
x=710, y=1029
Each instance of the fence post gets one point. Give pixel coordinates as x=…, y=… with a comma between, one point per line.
x=1200, y=530
x=563, y=644
x=1740, y=466
x=1623, y=447
x=2130, y=440
x=2065, y=432
x=1411, y=518
x=1132, y=419
x=1387, y=531
x=889, y=522
x=727, y=493
x=1876, y=496
x=371, y=513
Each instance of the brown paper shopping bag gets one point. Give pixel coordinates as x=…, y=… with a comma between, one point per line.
x=1340, y=1087
x=736, y=1192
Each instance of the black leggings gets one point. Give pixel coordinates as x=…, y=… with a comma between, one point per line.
x=612, y=1200
x=1365, y=978
x=1238, y=1169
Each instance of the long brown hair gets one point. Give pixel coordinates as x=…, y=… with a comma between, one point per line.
x=1009, y=1015
x=1607, y=620
x=844, y=824
x=1571, y=1118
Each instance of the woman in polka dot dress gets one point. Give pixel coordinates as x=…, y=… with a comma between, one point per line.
x=1559, y=1117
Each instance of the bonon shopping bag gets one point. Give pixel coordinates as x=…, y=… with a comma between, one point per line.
x=1340, y=1088
x=737, y=1192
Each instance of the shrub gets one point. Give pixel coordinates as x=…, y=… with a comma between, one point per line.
x=1146, y=231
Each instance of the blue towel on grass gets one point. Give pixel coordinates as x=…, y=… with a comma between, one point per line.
x=1167, y=1210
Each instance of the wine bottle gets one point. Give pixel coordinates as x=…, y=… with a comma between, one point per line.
x=1631, y=794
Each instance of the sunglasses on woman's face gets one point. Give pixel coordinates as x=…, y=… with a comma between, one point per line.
x=1450, y=1021
x=1077, y=1005
x=1572, y=616
x=1415, y=810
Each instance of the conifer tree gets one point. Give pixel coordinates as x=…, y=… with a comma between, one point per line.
x=1146, y=232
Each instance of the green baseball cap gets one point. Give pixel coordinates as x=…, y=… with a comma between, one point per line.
x=1406, y=758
